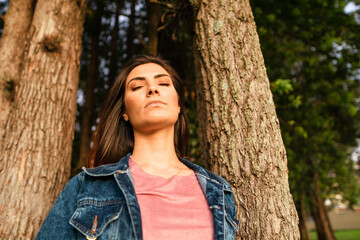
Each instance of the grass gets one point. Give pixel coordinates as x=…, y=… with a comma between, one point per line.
x=341, y=235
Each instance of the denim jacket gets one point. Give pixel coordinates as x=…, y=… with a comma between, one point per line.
x=100, y=203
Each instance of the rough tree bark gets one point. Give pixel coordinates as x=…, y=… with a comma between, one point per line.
x=92, y=74
x=13, y=41
x=239, y=130
x=36, y=148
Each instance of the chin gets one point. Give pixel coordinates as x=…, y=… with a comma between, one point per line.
x=156, y=123
x=160, y=117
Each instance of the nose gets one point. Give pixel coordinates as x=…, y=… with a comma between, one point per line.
x=152, y=91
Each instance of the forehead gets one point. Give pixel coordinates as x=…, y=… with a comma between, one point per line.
x=146, y=70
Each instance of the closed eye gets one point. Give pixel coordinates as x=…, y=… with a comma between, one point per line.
x=136, y=88
x=164, y=84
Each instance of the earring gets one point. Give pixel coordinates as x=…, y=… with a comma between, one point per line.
x=125, y=116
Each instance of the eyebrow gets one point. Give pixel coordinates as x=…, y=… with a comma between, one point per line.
x=156, y=76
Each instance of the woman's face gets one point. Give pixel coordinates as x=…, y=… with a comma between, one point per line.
x=151, y=101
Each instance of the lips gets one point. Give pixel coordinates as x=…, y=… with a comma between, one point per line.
x=154, y=103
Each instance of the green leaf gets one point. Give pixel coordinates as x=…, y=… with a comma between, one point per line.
x=282, y=86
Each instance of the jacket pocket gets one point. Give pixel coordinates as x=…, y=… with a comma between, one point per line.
x=93, y=216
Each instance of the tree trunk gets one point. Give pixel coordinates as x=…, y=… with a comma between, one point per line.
x=239, y=131
x=113, y=47
x=131, y=33
x=36, y=149
x=304, y=233
x=92, y=74
x=13, y=41
x=154, y=11
x=322, y=221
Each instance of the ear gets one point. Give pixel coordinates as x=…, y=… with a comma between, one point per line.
x=125, y=116
x=179, y=109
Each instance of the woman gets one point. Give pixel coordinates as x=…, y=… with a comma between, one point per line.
x=140, y=187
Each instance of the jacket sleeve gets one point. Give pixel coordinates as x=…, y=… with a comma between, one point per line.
x=56, y=224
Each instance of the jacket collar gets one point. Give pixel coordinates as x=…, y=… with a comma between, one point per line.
x=110, y=169
x=122, y=166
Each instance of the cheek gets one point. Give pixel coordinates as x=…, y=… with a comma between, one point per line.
x=126, y=102
x=129, y=104
x=176, y=106
x=175, y=98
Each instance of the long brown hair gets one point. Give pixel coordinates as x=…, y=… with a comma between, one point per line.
x=114, y=137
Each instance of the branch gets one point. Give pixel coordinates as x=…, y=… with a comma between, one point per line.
x=163, y=3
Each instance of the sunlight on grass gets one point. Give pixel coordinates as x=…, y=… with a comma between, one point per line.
x=341, y=235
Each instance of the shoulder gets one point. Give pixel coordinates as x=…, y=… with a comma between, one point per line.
x=109, y=169
x=74, y=184
x=218, y=178
x=199, y=170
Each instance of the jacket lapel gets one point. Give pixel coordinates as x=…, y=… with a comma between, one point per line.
x=215, y=197
x=124, y=181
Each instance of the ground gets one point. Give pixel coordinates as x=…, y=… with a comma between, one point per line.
x=341, y=220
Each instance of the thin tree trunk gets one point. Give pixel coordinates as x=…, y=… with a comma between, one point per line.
x=304, y=232
x=322, y=221
x=239, y=131
x=36, y=151
x=131, y=33
x=154, y=11
x=13, y=41
x=113, y=47
x=87, y=110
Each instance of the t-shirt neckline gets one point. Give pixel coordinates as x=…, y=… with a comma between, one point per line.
x=135, y=167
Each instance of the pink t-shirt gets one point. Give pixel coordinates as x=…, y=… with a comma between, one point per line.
x=173, y=208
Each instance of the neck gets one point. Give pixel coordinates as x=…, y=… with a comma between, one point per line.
x=156, y=149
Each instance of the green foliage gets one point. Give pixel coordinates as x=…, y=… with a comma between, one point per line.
x=312, y=55
x=281, y=86
x=341, y=235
